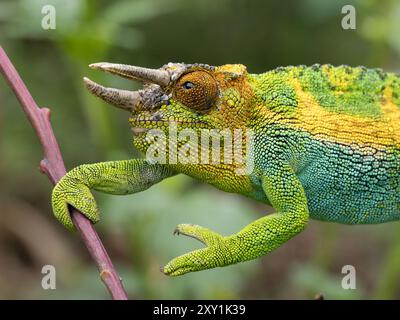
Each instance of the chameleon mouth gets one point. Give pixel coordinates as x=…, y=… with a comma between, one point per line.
x=142, y=126
x=138, y=130
x=148, y=123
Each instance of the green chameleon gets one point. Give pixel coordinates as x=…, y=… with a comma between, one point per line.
x=326, y=145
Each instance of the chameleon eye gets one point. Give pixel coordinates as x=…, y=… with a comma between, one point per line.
x=196, y=90
x=188, y=85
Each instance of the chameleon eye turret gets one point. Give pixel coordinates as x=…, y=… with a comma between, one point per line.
x=196, y=90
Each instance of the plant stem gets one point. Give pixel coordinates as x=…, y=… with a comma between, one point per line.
x=53, y=166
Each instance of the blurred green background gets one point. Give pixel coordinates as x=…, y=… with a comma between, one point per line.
x=137, y=229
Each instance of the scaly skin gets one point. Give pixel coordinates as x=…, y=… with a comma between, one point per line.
x=326, y=146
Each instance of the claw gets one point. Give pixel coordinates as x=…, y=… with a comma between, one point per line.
x=199, y=233
x=209, y=257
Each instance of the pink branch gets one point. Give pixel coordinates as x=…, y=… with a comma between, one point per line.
x=53, y=166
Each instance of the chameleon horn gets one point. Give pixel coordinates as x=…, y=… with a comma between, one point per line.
x=123, y=99
x=160, y=77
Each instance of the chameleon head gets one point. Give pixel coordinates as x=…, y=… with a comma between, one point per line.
x=190, y=96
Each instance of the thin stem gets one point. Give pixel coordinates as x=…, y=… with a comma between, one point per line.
x=53, y=166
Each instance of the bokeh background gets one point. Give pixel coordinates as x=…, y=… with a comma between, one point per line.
x=137, y=229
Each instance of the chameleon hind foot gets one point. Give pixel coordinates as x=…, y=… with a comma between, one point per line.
x=216, y=254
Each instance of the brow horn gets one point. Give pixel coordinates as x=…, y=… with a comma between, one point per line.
x=157, y=76
x=123, y=99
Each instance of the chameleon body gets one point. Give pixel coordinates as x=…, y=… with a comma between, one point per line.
x=326, y=145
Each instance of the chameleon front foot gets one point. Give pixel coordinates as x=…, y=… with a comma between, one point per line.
x=216, y=254
x=70, y=191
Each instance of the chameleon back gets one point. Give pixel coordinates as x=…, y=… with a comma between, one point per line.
x=342, y=129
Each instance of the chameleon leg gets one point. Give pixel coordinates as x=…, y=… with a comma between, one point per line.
x=258, y=238
x=114, y=177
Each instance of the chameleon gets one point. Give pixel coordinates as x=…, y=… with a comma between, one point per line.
x=325, y=146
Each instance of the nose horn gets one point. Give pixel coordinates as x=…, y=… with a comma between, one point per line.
x=124, y=99
x=157, y=76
